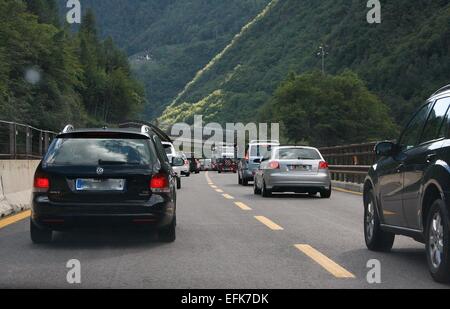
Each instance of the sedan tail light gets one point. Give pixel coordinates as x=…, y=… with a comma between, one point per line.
x=41, y=184
x=274, y=165
x=159, y=184
x=323, y=165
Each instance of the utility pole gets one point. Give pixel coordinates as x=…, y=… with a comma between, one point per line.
x=322, y=53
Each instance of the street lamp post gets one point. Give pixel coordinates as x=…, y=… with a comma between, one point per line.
x=322, y=53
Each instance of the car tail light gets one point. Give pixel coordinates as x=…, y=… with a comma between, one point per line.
x=41, y=184
x=159, y=184
x=323, y=165
x=186, y=162
x=274, y=165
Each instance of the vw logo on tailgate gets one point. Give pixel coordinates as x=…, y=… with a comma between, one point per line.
x=100, y=171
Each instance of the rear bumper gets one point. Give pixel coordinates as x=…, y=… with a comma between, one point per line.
x=157, y=212
x=289, y=180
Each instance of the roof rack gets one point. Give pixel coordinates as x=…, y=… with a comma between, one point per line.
x=68, y=128
x=441, y=90
x=146, y=127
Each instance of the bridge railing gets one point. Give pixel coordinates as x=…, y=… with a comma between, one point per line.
x=350, y=163
x=20, y=141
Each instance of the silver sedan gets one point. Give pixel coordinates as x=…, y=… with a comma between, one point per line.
x=293, y=169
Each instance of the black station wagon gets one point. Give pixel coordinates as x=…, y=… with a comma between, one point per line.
x=104, y=177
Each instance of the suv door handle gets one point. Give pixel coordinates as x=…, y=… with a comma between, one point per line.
x=431, y=157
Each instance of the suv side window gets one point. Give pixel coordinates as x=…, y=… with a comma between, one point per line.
x=445, y=128
x=160, y=149
x=433, y=128
x=411, y=135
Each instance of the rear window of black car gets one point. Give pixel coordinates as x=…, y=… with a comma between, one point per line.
x=99, y=151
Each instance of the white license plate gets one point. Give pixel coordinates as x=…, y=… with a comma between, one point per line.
x=305, y=168
x=100, y=184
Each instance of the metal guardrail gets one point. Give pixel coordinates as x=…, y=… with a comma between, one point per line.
x=350, y=163
x=20, y=141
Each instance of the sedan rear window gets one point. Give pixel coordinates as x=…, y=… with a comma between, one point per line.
x=298, y=154
x=93, y=151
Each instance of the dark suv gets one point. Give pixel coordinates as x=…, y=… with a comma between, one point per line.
x=407, y=192
x=104, y=177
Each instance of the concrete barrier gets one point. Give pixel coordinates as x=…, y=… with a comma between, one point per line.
x=16, y=183
x=350, y=186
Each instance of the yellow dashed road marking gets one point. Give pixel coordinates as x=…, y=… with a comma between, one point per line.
x=13, y=219
x=242, y=206
x=228, y=197
x=269, y=223
x=219, y=190
x=328, y=264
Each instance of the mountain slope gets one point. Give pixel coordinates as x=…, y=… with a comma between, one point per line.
x=403, y=59
x=168, y=41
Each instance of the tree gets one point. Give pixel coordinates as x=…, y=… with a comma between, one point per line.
x=326, y=110
x=49, y=77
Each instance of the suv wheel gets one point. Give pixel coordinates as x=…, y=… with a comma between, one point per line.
x=168, y=234
x=437, y=242
x=38, y=235
x=376, y=238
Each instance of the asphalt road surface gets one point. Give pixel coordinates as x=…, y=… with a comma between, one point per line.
x=226, y=238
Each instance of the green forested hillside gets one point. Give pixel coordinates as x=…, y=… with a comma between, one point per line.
x=170, y=40
x=49, y=77
x=309, y=115
x=403, y=59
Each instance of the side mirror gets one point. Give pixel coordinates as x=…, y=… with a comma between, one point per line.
x=257, y=161
x=177, y=162
x=386, y=149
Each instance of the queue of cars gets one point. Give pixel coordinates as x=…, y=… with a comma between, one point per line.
x=129, y=176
